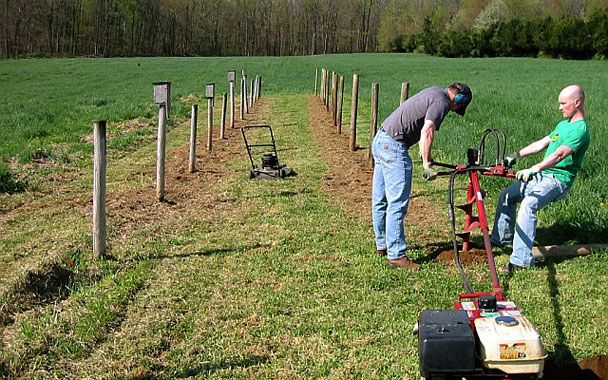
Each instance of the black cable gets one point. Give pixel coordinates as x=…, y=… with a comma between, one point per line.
x=463, y=276
x=497, y=133
x=502, y=143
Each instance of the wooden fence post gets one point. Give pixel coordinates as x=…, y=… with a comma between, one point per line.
x=210, y=124
x=257, y=87
x=341, y=104
x=223, y=117
x=353, y=114
x=260, y=88
x=327, y=91
x=210, y=94
x=405, y=90
x=374, y=120
x=244, y=90
x=334, y=97
x=243, y=98
x=193, y=127
x=231, y=78
x=99, y=189
x=322, y=88
x=316, y=80
x=251, y=92
x=160, y=152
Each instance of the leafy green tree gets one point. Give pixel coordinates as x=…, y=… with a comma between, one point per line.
x=569, y=39
x=598, y=29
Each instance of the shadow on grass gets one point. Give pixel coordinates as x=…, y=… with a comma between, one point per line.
x=559, y=233
x=201, y=370
x=561, y=364
x=208, y=252
x=49, y=283
x=209, y=368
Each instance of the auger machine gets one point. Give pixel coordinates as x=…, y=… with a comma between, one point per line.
x=485, y=336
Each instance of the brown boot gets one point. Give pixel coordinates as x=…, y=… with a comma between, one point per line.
x=403, y=262
x=382, y=252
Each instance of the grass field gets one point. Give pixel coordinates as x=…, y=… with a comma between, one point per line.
x=241, y=279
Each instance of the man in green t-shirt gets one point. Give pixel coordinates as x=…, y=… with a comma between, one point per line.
x=543, y=183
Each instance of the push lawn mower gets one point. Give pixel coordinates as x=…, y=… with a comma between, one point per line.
x=270, y=167
x=485, y=336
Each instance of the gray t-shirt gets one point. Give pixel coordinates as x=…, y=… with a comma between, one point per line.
x=406, y=122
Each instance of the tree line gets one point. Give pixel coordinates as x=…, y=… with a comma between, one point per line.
x=572, y=29
x=454, y=28
x=188, y=27
x=568, y=37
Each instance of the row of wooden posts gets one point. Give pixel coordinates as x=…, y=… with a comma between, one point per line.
x=162, y=97
x=334, y=101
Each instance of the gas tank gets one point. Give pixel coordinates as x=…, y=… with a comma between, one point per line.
x=510, y=344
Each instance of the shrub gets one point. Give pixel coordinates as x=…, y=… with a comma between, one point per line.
x=9, y=183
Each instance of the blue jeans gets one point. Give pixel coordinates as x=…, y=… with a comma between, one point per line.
x=541, y=190
x=390, y=193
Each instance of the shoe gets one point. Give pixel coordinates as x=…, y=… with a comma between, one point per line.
x=382, y=252
x=510, y=268
x=403, y=262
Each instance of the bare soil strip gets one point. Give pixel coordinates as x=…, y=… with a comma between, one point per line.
x=349, y=181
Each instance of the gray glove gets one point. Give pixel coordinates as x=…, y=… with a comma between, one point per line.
x=429, y=173
x=511, y=159
x=526, y=174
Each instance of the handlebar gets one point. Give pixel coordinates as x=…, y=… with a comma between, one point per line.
x=494, y=170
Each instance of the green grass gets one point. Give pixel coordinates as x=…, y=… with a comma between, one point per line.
x=48, y=106
x=280, y=283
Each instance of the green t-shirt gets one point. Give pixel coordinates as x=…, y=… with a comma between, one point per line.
x=575, y=136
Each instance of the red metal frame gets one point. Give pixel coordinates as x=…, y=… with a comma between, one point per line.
x=473, y=222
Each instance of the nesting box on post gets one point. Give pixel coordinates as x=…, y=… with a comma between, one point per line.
x=162, y=97
x=231, y=76
x=210, y=92
x=162, y=94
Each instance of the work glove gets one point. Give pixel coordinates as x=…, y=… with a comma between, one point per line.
x=429, y=173
x=526, y=174
x=511, y=159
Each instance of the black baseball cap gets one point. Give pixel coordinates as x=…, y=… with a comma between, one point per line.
x=465, y=90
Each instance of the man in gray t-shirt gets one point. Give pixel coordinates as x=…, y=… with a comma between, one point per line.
x=416, y=120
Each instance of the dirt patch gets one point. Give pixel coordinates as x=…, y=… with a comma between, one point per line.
x=592, y=368
x=473, y=256
x=122, y=128
x=349, y=178
x=50, y=283
x=186, y=193
x=597, y=364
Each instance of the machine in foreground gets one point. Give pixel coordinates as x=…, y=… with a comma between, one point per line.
x=485, y=336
